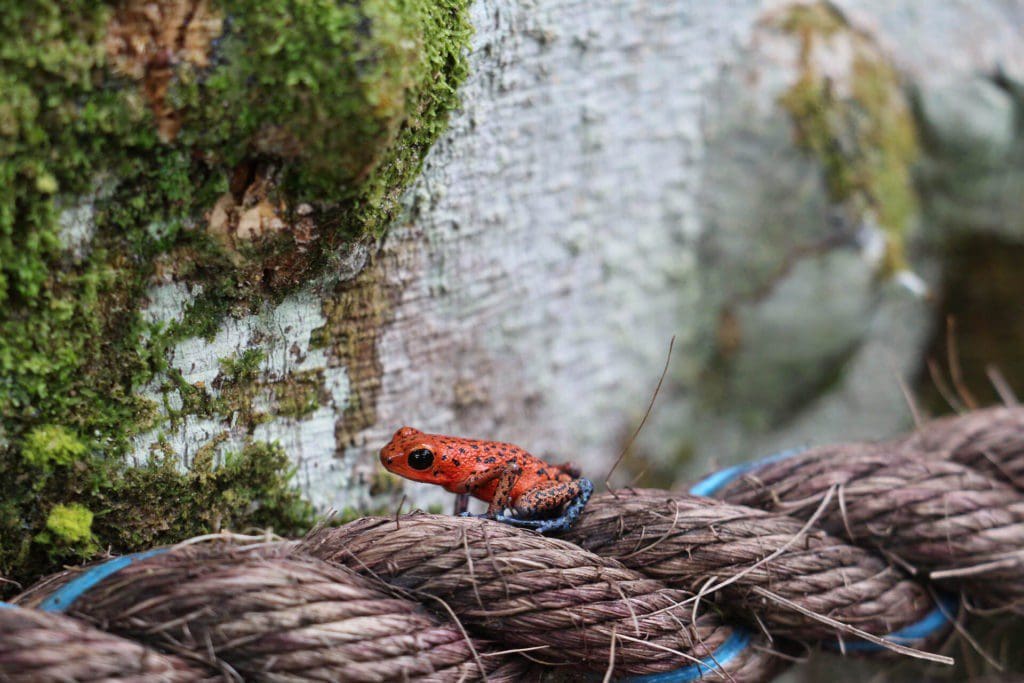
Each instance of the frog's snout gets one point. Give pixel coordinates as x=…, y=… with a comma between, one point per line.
x=393, y=449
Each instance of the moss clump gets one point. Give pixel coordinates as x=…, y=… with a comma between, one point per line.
x=70, y=524
x=68, y=533
x=51, y=445
x=244, y=367
x=333, y=104
x=328, y=119
x=133, y=508
x=337, y=138
x=864, y=138
x=158, y=503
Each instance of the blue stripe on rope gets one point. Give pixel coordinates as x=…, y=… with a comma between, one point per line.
x=716, y=481
x=931, y=623
x=726, y=652
x=63, y=597
x=7, y=605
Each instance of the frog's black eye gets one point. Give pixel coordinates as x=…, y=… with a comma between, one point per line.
x=421, y=459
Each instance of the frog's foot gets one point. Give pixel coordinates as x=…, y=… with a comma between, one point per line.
x=584, y=489
x=522, y=523
x=485, y=515
x=573, y=510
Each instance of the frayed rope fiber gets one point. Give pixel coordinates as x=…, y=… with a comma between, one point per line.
x=841, y=547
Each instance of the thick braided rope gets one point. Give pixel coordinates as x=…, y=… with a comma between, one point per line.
x=940, y=519
x=252, y=621
x=684, y=540
x=40, y=646
x=989, y=440
x=263, y=613
x=536, y=592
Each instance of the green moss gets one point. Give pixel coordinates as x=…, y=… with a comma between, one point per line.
x=235, y=393
x=299, y=394
x=242, y=368
x=329, y=118
x=865, y=139
x=338, y=102
x=70, y=524
x=126, y=509
x=68, y=533
x=251, y=489
x=345, y=133
x=51, y=445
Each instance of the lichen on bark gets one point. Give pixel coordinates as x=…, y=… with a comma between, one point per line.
x=124, y=129
x=861, y=130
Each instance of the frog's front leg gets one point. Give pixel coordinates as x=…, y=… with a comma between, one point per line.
x=507, y=476
x=541, y=500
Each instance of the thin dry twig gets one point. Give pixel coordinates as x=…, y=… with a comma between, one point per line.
x=647, y=413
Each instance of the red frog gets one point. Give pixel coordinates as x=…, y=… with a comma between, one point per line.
x=501, y=474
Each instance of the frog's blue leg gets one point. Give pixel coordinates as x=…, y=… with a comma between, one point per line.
x=581, y=489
